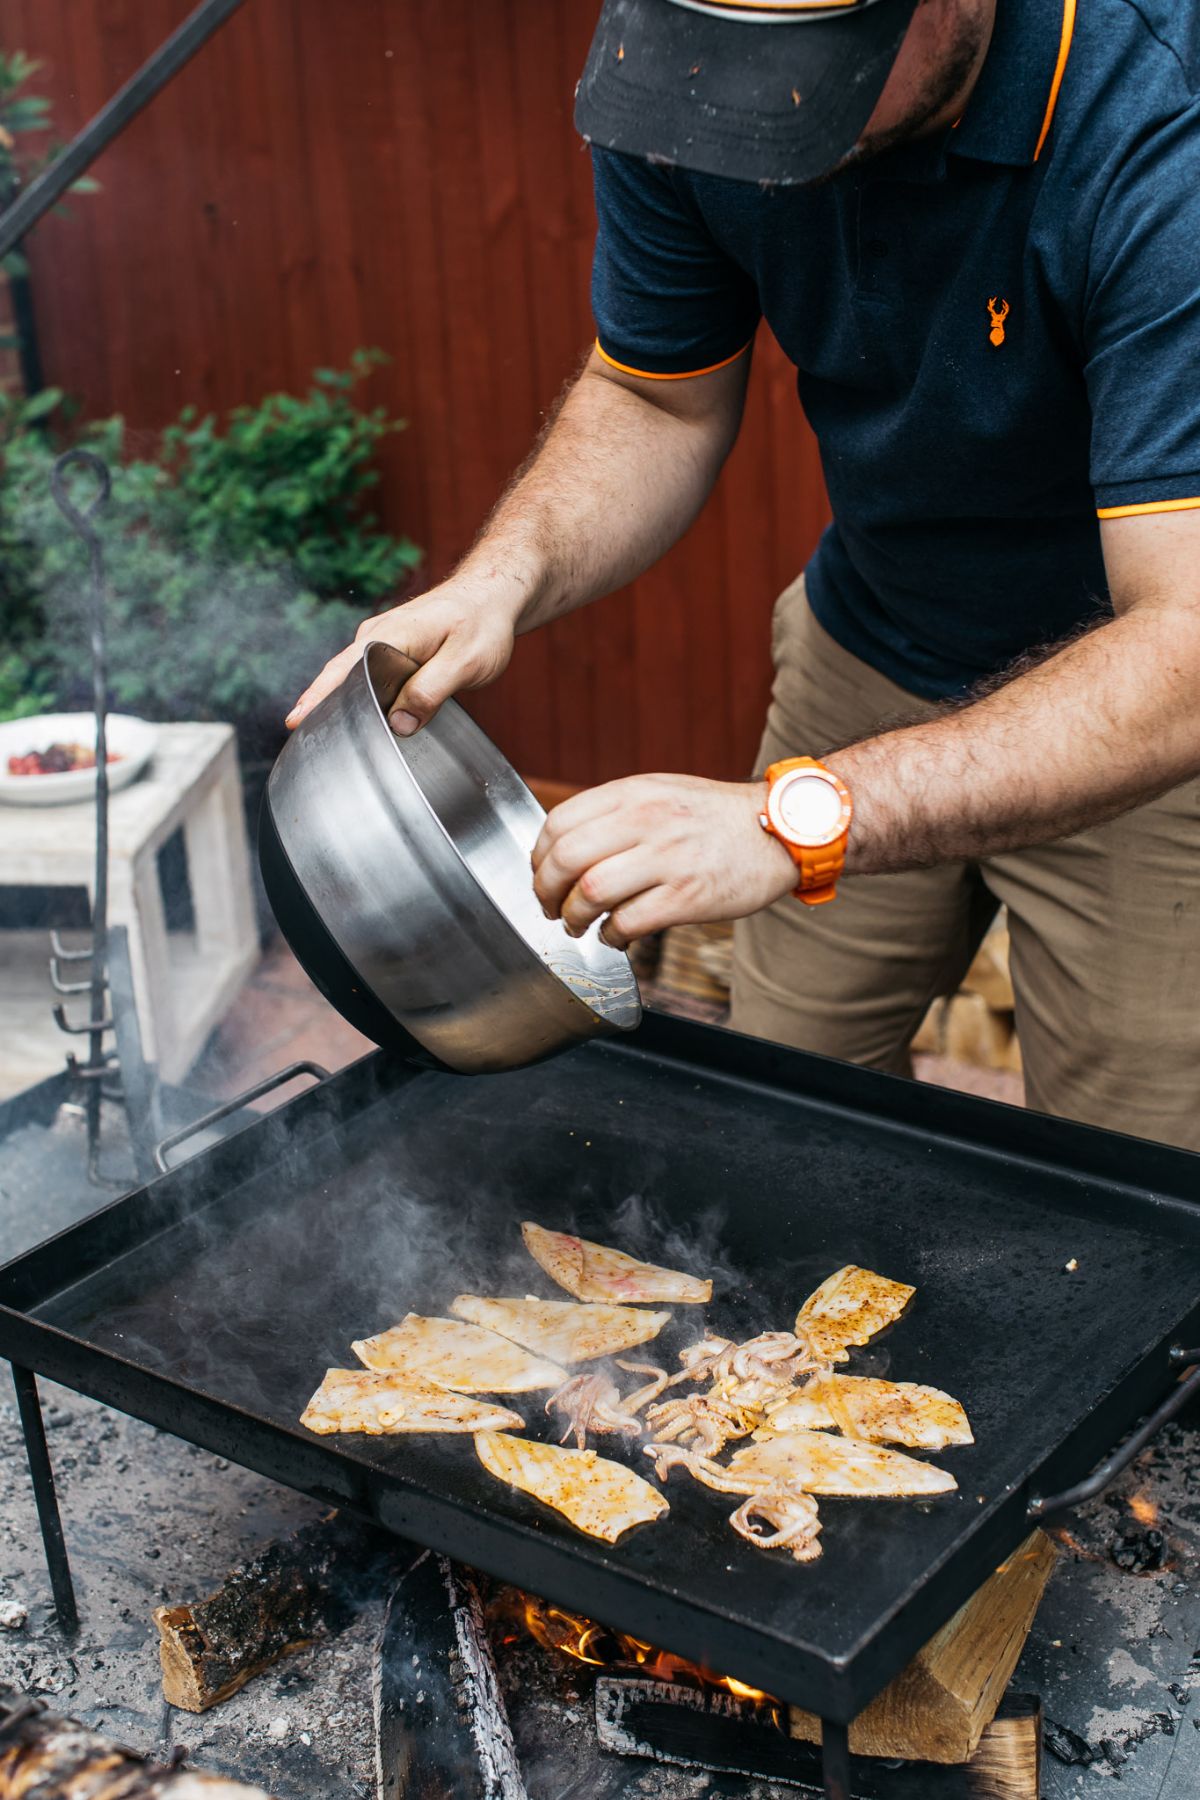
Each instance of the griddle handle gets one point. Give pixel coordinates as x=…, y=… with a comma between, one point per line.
x=279, y=1079
x=1045, y=1506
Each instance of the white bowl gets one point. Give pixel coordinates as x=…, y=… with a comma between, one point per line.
x=132, y=741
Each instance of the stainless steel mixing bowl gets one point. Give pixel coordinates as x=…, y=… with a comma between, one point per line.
x=399, y=871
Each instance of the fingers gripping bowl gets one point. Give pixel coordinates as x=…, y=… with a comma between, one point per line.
x=399, y=871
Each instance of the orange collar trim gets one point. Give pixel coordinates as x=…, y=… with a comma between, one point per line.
x=1060, y=69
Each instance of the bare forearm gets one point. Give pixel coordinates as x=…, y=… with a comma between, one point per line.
x=621, y=470
x=615, y=480
x=1109, y=721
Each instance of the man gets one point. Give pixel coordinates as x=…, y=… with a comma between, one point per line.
x=974, y=225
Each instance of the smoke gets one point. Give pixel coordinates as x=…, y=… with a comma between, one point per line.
x=643, y=1227
x=326, y=1232
x=197, y=628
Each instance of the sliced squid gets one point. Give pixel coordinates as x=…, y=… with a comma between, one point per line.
x=791, y=1512
x=883, y=1412
x=849, y=1308
x=363, y=1400
x=594, y=1272
x=591, y=1405
x=457, y=1355
x=821, y=1464
x=598, y=1496
x=562, y=1330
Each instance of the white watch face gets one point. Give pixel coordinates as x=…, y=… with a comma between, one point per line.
x=809, y=808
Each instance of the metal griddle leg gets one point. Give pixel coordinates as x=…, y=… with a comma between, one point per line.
x=835, y=1759
x=42, y=1475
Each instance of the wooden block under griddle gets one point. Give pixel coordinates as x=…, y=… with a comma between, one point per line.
x=936, y=1709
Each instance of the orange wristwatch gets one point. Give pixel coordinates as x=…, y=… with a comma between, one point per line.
x=809, y=810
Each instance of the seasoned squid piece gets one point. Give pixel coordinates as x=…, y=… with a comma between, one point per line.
x=457, y=1355
x=562, y=1330
x=791, y=1511
x=600, y=1497
x=849, y=1307
x=592, y=1405
x=706, y=1421
x=765, y=1366
x=380, y=1405
x=594, y=1272
x=883, y=1412
x=821, y=1464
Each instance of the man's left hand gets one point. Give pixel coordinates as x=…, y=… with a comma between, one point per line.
x=658, y=850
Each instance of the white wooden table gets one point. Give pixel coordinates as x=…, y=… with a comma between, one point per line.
x=184, y=988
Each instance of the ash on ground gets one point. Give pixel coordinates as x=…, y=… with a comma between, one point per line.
x=1115, y=1649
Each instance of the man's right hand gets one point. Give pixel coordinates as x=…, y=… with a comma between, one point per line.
x=461, y=633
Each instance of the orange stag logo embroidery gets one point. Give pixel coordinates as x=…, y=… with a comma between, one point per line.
x=997, y=314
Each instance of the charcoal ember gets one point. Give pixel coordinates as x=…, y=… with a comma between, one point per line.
x=1139, y=1551
x=1067, y=1745
x=1114, y=1754
x=1179, y=1693
x=1165, y=1723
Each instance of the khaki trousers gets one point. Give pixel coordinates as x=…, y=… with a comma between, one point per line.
x=1105, y=929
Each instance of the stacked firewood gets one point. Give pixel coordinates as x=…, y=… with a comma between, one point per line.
x=975, y=1025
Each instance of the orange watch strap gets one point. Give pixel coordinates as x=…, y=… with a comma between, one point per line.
x=788, y=763
x=820, y=866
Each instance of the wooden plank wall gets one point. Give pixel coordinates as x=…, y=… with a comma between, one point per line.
x=404, y=173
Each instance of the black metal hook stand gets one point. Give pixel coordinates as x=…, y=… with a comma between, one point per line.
x=99, y=1020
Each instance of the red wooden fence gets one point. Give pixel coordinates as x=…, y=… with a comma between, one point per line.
x=404, y=173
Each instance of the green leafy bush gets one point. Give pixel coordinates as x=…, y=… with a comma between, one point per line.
x=238, y=557
x=291, y=474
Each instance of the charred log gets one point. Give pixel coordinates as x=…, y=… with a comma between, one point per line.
x=46, y=1757
x=441, y=1726
x=306, y=1586
x=722, y=1733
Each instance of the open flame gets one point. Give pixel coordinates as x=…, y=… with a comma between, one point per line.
x=572, y=1634
x=1143, y=1508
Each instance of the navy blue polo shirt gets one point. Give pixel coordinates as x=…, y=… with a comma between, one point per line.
x=996, y=332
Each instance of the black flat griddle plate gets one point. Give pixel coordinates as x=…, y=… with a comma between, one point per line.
x=212, y=1302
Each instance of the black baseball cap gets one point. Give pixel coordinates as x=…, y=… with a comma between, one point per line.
x=757, y=90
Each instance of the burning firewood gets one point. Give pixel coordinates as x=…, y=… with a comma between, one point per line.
x=277, y=1602
x=721, y=1732
x=56, y=1758
x=441, y=1726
